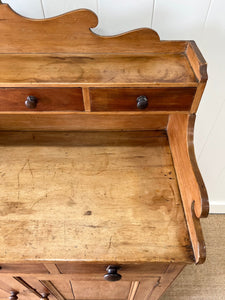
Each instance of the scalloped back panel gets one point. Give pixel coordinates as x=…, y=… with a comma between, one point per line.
x=70, y=33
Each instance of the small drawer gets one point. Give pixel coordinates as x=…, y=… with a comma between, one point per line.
x=126, y=99
x=99, y=270
x=41, y=99
x=23, y=269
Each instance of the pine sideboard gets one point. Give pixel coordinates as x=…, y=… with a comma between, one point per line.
x=101, y=196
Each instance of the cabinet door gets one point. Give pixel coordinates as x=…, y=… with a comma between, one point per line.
x=123, y=290
x=101, y=290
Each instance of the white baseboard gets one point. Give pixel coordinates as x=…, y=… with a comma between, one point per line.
x=217, y=207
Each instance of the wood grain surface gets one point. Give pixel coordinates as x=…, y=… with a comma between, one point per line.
x=192, y=188
x=63, y=121
x=65, y=193
x=70, y=33
x=26, y=70
x=49, y=99
x=125, y=99
x=199, y=66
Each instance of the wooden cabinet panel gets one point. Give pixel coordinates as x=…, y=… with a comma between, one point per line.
x=125, y=99
x=48, y=99
x=101, y=290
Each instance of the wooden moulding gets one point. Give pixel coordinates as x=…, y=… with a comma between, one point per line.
x=193, y=192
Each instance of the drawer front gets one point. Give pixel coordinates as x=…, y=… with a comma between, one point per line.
x=125, y=99
x=23, y=269
x=48, y=99
x=99, y=270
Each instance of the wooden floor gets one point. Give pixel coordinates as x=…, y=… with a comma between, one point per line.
x=207, y=281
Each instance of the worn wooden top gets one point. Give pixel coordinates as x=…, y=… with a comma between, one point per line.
x=90, y=196
x=27, y=70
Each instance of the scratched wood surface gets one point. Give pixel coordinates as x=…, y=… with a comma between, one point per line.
x=90, y=196
x=95, y=70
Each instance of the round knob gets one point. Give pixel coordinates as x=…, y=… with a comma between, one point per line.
x=112, y=274
x=142, y=102
x=13, y=295
x=31, y=102
x=44, y=296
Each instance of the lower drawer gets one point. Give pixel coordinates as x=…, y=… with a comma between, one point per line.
x=45, y=99
x=125, y=99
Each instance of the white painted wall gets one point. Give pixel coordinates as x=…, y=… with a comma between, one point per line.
x=201, y=20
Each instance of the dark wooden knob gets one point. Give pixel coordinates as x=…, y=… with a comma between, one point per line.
x=13, y=295
x=31, y=102
x=142, y=102
x=112, y=274
x=44, y=296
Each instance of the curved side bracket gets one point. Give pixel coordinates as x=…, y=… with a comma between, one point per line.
x=193, y=192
